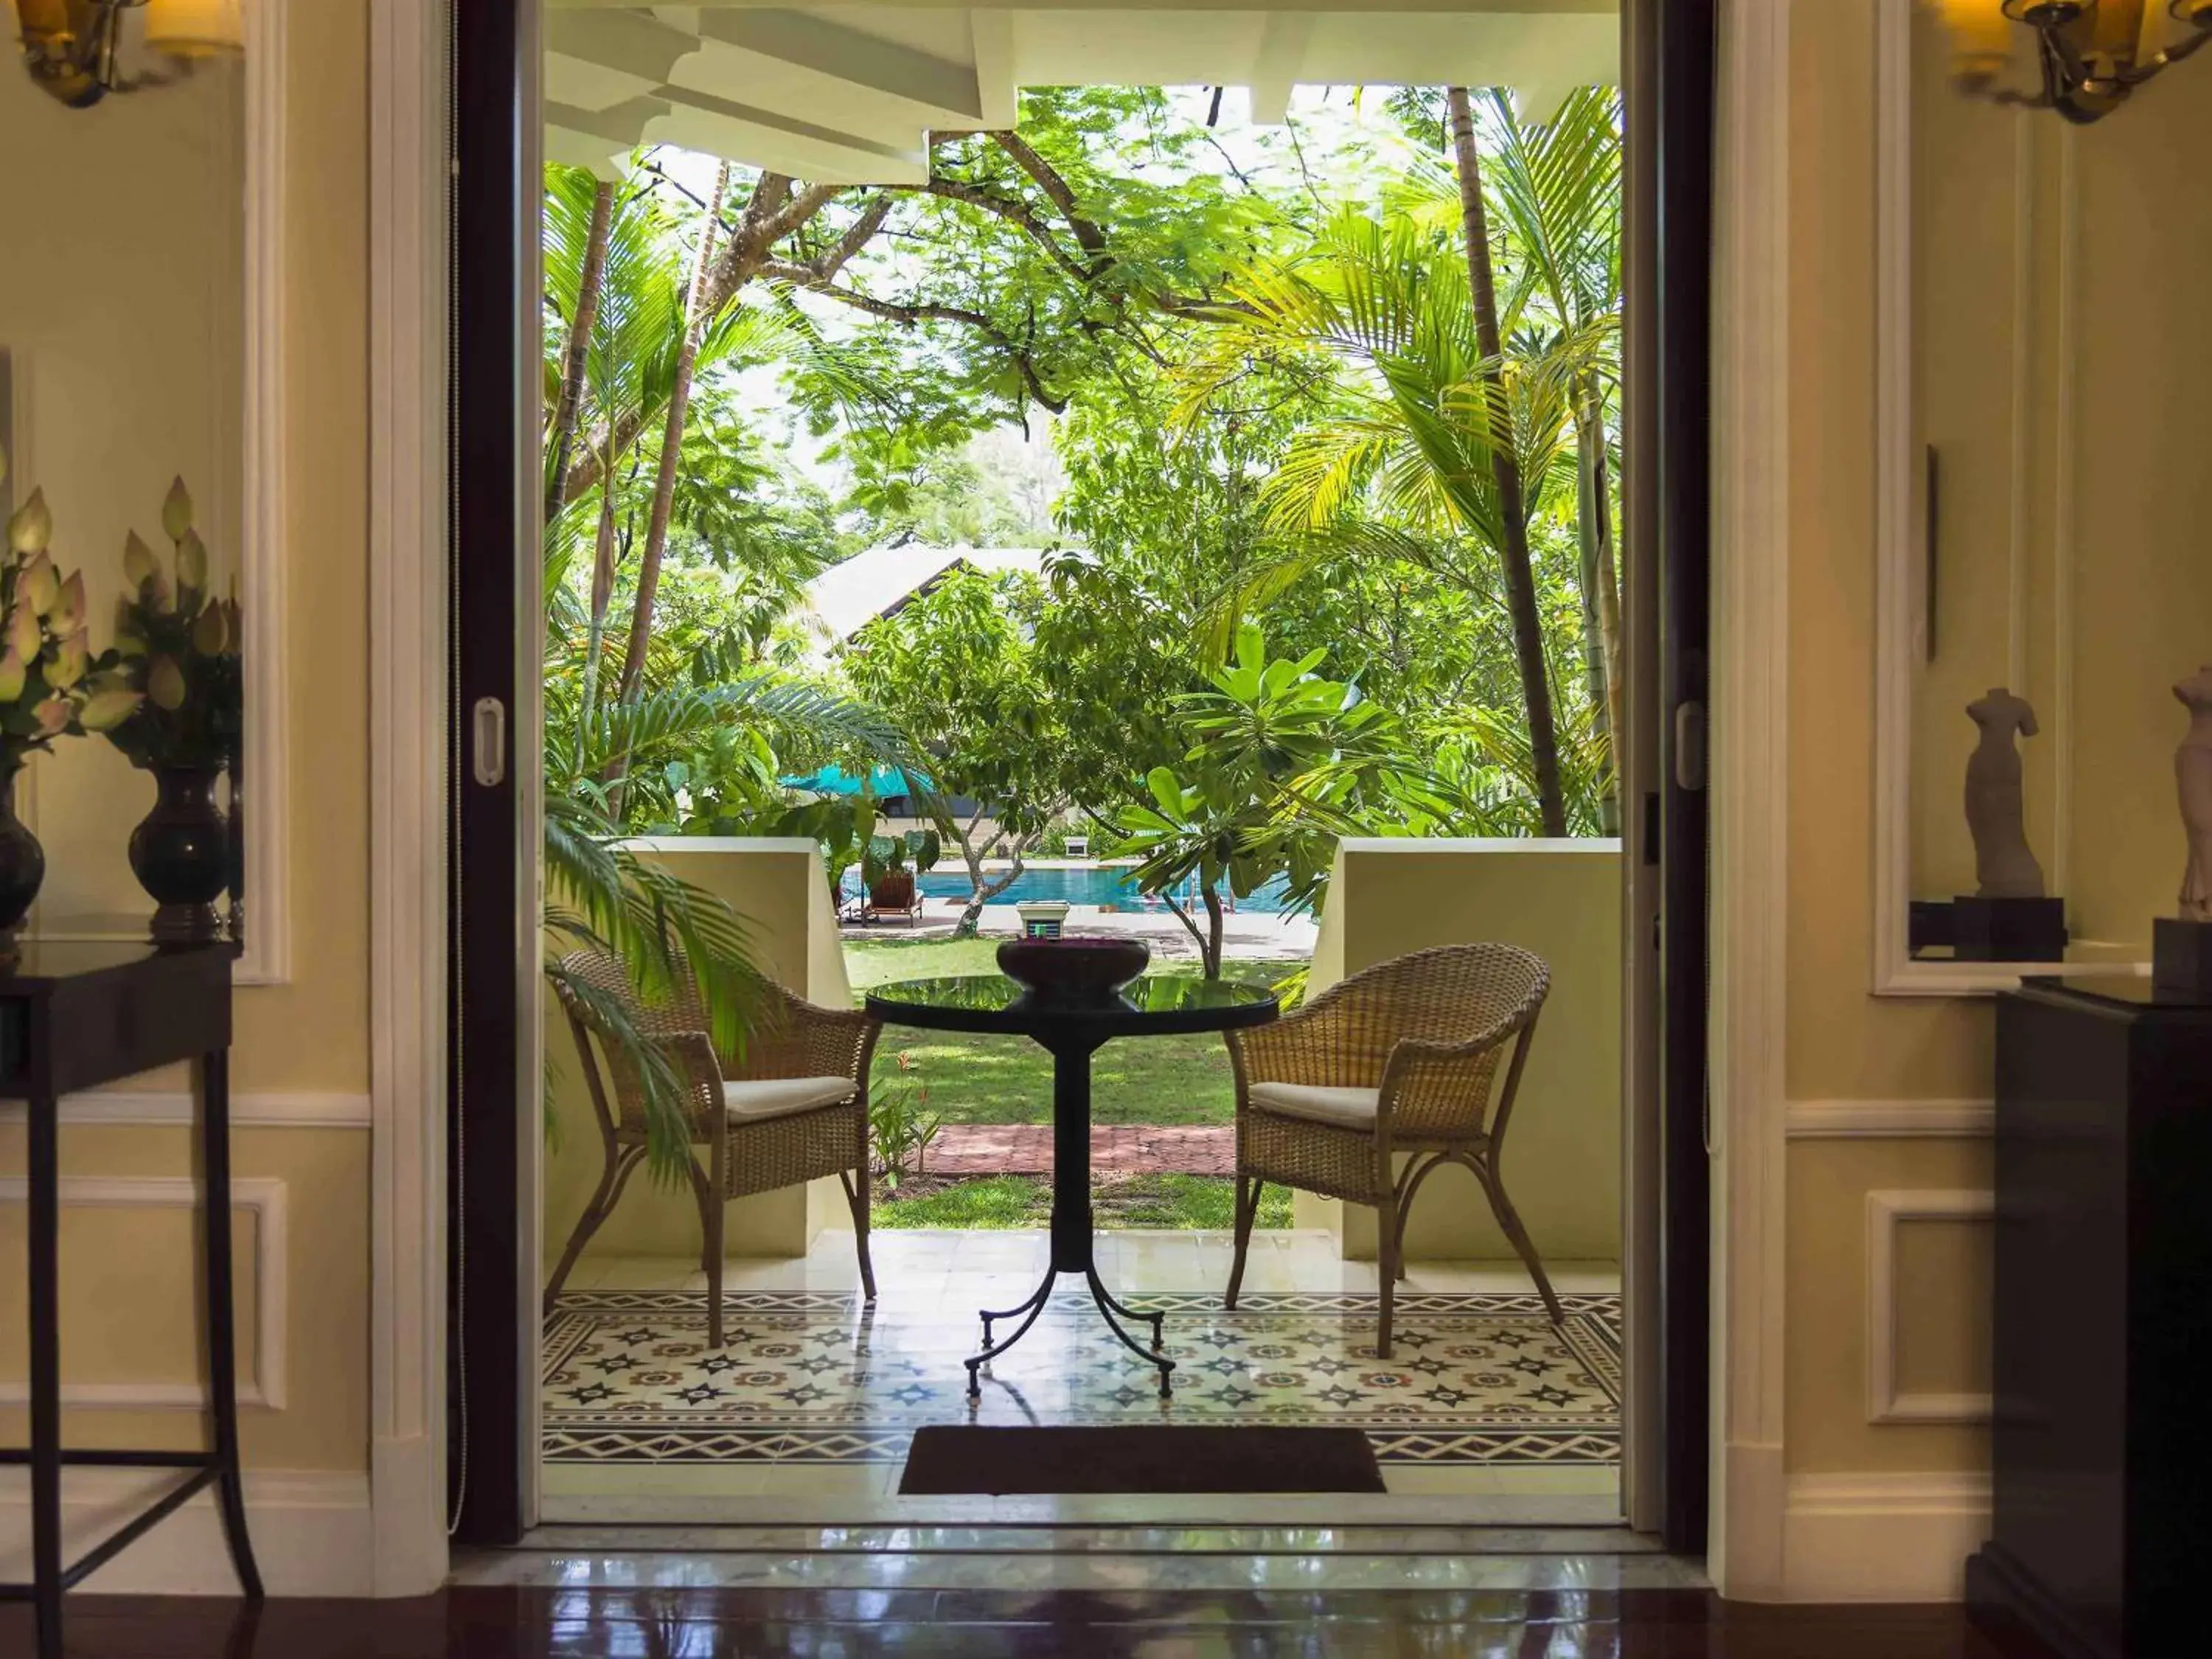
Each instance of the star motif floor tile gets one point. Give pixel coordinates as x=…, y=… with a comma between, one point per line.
x=815, y=1377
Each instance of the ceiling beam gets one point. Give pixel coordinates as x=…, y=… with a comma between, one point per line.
x=997, y=94
x=1277, y=64
x=754, y=137
x=866, y=63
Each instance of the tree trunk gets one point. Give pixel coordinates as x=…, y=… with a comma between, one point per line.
x=1505, y=467
x=569, y=409
x=982, y=890
x=1212, y=932
x=1600, y=592
x=773, y=212
x=671, y=449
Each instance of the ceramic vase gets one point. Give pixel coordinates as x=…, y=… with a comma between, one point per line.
x=23, y=861
x=181, y=855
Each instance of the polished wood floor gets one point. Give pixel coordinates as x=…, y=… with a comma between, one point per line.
x=675, y=1624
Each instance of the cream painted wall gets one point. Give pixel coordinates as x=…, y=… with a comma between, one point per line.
x=1562, y=1151
x=2103, y=340
x=2143, y=599
x=120, y=298
x=781, y=891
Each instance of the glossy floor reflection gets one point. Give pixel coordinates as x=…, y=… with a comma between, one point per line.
x=666, y=1624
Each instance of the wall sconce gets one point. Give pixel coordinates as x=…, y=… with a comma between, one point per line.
x=71, y=47
x=2089, y=52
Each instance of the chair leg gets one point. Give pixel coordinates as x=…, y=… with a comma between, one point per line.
x=706, y=1202
x=1247, y=1214
x=602, y=1205
x=856, y=1200
x=1509, y=1219
x=1408, y=1184
x=715, y=1212
x=1386, y=1250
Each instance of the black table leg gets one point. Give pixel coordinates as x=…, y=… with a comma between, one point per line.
x=44, y=1220
x=221, y=1318
x=1072, y=1238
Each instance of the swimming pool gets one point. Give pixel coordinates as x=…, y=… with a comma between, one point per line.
x=1107, y=885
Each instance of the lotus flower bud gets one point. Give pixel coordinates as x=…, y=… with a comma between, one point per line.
x=41, y=585
x=33, y=527
x=72, y=661
x=210, y=633
x=69, y=613
x=53, y=716
x=104, y=711
x=177, y=512
x=24, y=638
x=192, y=561
x=139, y=564
x=165, y=683
x=127, y=642
x=12, y=675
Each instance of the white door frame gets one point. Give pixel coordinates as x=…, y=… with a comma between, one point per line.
x=408, y=725
x=1750, y=792
x=407, y=623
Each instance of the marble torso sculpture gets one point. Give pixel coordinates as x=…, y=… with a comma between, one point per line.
x=2192, y=767
x=2004, y=864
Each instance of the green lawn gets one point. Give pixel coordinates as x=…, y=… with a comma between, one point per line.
x=1007, y=1080
x=1006, y=1201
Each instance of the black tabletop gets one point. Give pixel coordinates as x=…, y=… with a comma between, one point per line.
x=38, y=964
x=1159, y=1005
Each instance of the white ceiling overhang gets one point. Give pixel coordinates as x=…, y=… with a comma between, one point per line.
x=850, y=93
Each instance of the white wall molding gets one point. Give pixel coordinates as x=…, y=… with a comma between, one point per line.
x=409, y=720
x=261, y=1196
x=1900, y=1537
x=311, y=1532
x=302, y=1110
x=1885, y=1211
x=266, y=804
x=1890, y=1119
x=1750, y=788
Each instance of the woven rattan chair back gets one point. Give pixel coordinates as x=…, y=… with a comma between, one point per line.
x=605, y=980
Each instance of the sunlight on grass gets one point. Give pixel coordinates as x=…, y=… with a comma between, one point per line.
x=1193, y=1202
x=1008, y=1079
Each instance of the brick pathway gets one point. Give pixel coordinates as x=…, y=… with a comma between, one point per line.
x=1117, y=1149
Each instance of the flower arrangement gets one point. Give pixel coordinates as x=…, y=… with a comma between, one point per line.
x=176, y=655
x=48, y=688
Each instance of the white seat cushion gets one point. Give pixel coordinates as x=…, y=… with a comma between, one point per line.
x=780, y=1097
x=1344, y=1109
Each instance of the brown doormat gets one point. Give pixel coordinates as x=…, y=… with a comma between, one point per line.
x=949, y=1461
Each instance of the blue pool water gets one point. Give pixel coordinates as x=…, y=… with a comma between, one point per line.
x=1100, y=884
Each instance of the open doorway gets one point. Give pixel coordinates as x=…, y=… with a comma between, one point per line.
x=1003, y=502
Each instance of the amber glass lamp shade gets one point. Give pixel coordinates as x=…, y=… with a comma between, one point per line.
x=195, y=28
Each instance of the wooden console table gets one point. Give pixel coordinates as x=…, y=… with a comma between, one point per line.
x=74, y=1017
x=2101, y=1449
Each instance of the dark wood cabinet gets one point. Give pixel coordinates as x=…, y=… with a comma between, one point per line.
x=2102, y=1444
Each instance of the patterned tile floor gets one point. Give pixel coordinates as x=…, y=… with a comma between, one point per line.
x=818, y=1378
x=807, y=1408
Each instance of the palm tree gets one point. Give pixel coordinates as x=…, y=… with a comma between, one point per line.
x=1554, y=193
x=1506, y=471
x=1408, y=469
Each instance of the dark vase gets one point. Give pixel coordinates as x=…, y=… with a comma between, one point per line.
x=181, y=855
x=22, y=861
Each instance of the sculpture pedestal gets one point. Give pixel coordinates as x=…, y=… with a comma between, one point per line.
x=2008, y=929
x=2181, y=956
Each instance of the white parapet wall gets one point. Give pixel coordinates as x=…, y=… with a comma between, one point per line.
x=781, y=891
x=1562, y=1151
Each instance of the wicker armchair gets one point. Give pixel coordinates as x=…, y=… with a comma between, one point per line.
x=1398, y=1058
x=792, y=1107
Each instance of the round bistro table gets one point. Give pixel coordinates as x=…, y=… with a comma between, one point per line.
x=1070, y=1032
